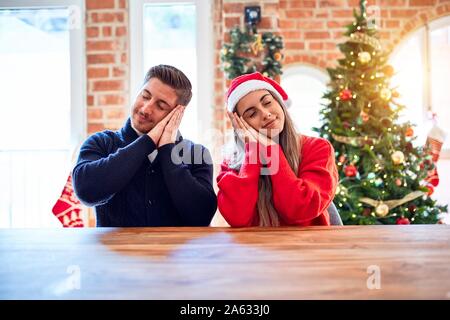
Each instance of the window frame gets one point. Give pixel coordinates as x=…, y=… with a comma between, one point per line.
x=424, y=36
x=78, y=111
x=307, y=70
x=205, y=57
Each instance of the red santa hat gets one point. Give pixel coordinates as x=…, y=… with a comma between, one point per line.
x=243, y=85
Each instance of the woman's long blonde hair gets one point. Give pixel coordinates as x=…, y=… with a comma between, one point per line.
x=290, y=143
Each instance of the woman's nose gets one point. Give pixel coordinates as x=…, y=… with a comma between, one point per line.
x=267, y=114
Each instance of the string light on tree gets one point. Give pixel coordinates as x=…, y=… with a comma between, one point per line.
x=364, y=57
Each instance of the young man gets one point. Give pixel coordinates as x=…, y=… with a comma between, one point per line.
x=146, y=174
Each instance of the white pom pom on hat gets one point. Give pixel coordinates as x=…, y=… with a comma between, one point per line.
x=243, y=85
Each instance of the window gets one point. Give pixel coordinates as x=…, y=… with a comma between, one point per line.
x=177, y=33
x=305, y=87
x=41, y=106
x=422, y=65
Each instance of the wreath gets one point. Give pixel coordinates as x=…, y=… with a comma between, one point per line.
x=250, y=51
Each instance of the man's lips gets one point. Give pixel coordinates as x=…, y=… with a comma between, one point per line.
x=142, y=118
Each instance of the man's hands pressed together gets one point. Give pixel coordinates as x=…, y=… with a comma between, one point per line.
x=165, y=131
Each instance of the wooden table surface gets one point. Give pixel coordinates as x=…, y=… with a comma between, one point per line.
x=224, y=263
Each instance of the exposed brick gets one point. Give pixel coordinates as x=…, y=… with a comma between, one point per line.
x=108, y=85
x=303, y=4
x=317, y=35
x=403, y=13
x=100, y=58
x=90, y=100
x=110, y=99
x=121, y=31
x=118, y=72
x=95, y=127
x=97, y=72
x=123, y=4
x=107, y=31
x=287, y=24
x=332, y=3
x=100, y=45
x=233, y=8
x=294, y=45
x=414, y=3
x=231, y=22
x=342, y=13
x=299, y=14
x=310, y=24
x=291, y=34
x=92, y=32
x=99, y=4
x=115, y=113
x=95, y=114
x=266, y=23
x=102, y=17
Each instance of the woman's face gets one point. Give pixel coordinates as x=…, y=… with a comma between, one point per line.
x=262, y=111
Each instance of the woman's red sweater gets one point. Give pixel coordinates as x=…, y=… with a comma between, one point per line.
x=300, y=198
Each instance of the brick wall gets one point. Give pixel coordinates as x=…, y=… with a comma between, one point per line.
x=310, y=28
x=107, y=64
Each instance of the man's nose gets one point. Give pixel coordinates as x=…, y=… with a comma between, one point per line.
x=148, y=107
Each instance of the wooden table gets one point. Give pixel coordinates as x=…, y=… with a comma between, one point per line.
x=224, y=263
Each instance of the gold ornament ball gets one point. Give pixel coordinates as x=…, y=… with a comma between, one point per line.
x=382, y=210
x=224, y=51
x=277, y=56
x=364, y=57
x=386, y=94
x=398, y=157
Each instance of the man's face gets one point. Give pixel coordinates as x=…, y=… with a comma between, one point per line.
x=153, y=103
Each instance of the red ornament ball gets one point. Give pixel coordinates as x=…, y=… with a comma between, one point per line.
x=398, y=182
x=345, y=95
x=403, y=221
x=350, y=171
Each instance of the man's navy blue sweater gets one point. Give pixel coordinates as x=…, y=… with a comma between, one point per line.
x=114, y=174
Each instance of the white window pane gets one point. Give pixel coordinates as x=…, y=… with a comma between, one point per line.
x=35, y=79
x=408, y=79
x=440, y=76
x=170, y=38
x=305, y=90
x=34, y=114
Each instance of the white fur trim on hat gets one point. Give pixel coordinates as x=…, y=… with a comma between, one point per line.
x=245, y=88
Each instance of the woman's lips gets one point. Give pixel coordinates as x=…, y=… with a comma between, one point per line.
x=270, y=124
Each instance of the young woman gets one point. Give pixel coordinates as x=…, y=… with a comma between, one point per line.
x=272, y=176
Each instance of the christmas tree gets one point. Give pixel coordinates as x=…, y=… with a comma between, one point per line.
x=384, y=177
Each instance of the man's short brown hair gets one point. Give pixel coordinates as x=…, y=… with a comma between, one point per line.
x=174, y=78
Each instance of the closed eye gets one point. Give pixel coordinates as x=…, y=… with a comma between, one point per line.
x=250, y=112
